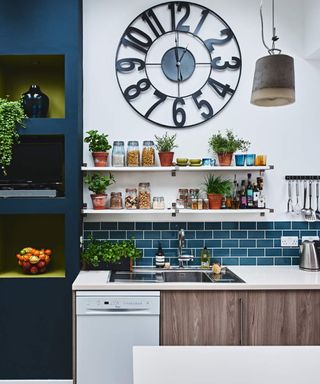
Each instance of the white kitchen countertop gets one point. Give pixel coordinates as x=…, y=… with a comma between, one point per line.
x=280, y=277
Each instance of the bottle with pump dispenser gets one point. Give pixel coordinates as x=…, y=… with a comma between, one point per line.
x=160, y=258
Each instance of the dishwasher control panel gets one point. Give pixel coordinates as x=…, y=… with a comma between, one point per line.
x=112, y=303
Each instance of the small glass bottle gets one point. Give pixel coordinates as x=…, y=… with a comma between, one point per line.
x=116, y=200
x=148, y=157
x=131, y=199
x=118, y=154
x=205, y=258
x=133, y=154
x=144, y=196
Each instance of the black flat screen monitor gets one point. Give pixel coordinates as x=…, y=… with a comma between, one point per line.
x=36, y=160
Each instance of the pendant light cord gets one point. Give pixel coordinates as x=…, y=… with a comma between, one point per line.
x=275, y=38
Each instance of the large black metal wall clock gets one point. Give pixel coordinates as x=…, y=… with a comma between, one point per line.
x=178, y=64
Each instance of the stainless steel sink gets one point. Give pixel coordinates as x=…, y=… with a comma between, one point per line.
x=186, y=277
x=175, y=276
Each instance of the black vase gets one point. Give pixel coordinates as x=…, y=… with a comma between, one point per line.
x=35, y=103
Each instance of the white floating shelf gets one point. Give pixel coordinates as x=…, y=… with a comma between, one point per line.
x=177, y=169
x=171, y=211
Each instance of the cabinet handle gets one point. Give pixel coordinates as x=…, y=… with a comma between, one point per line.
x=241, y=321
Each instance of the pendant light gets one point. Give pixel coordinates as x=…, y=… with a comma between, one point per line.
x=273, y=83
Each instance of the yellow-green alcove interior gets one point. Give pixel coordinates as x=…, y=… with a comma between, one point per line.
x=18, y=72
x=30, y=230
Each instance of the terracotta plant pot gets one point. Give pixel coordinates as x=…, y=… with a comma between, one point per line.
x=100, y=159
x=215, y=200
x=166, y=158
x=225, y=159
x=99, y=201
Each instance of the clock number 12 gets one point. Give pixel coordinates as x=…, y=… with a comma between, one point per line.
x=180, y=27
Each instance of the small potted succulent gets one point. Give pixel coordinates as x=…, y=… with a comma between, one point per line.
x=225, y=146
x=98, y=185
x=216, y=188
x=106, y=255
x=165, y=145
x=99, y=147
x=11, y=117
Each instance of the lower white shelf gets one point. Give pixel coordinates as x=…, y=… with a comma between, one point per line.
x=171, y=211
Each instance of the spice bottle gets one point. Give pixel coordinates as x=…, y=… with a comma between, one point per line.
x=133, y=154
x=116, y=200
x=118, y=154
x=144, y=196
x=148, y=154
x=205, y=258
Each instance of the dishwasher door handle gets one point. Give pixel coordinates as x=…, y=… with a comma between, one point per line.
x=118, y=311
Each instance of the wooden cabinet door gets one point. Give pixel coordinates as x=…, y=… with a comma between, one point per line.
x=201, y=318
x=283, y=318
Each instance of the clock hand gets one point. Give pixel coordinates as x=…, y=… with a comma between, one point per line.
x=176, y=50
x=183, y=53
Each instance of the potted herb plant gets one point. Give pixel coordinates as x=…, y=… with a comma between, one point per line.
x=108, y=255
x=165, y=145
x=11, y=116
x=216, y=188
x=225, y=146
x=99, y=147
x=98, y=185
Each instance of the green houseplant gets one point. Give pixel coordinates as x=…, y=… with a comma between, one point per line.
x=109, y=255
x=99, y=147
x=11, y=116
x=98, y=185
x=216, y=188
x=225, y=146
x=165, y=144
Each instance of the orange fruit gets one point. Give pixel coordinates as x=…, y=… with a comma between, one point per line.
x=42, y=256
x=48, y=252
x=25, y=257
x=47, y=259
x=18, y=256
x=36, y=253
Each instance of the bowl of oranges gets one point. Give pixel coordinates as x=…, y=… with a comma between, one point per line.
x=34, y=261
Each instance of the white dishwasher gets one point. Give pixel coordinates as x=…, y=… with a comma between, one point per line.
x=108, y=325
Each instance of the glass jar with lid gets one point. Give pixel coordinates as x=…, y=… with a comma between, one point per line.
x=133, y=154
x=116, y=200
x=158, y=203
x=148, y=157
x=144, y=196
x=131, y=199
x=118, y=154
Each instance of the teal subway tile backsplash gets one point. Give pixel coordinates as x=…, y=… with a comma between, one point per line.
x=231, y=243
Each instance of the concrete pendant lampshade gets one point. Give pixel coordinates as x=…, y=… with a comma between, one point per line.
x=273, y=82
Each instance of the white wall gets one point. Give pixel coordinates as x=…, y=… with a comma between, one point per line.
x=312, y=29
x=288, y=135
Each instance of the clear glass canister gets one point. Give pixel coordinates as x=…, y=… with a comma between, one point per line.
x=116, y=200
x=118, y=154
x=148, y=157
x=144, y=196
x=131, y=199
x=133, y=154
x=158, y=203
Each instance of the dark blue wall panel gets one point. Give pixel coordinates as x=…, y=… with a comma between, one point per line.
x=35, y=314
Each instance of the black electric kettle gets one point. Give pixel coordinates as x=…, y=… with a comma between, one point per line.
x=310, y=255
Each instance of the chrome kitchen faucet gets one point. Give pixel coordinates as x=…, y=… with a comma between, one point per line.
x=181, y=242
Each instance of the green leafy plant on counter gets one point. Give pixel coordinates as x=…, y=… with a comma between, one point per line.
x=217, y=185
x=228, y=143
x=11, y=116
x=96, y=251
x=98, y=142
x=98, y=183
x=166, y=143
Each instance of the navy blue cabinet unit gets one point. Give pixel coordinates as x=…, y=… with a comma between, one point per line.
x=41, y=41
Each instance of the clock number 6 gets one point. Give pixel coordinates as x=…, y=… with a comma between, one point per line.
x=178, y=112
x=133, y=91
x=203, y=103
